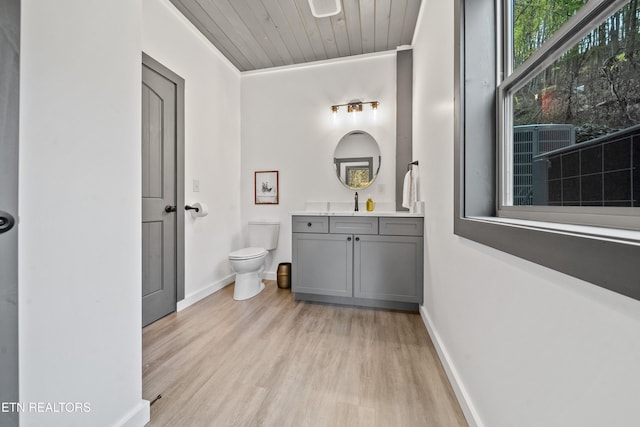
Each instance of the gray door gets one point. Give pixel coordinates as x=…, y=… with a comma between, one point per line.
x=9, y=98
x=158, y=196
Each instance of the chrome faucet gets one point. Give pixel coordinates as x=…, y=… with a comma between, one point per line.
x=356, y=209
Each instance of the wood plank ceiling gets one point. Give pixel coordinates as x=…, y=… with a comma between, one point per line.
x=258, y=34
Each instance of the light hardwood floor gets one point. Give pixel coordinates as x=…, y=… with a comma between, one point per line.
x=272, y=361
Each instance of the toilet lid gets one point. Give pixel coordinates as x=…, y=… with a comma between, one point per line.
x=247, y=253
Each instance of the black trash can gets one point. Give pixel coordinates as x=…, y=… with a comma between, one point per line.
x=284, y=275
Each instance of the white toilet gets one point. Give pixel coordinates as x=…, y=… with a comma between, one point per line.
x=248, y=263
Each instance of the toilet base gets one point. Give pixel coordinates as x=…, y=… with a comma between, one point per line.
x=248, y=285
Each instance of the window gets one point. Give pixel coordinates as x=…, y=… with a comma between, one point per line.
x=547, y=111
x=569, y=112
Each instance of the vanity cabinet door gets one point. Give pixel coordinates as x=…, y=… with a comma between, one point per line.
x=388, y=268
x=322, y=264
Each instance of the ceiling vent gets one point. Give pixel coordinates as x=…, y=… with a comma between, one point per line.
x=325, y=8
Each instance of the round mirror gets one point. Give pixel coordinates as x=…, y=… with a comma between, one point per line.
x=357, y=160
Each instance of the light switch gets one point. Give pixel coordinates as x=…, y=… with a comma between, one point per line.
x=196, y=185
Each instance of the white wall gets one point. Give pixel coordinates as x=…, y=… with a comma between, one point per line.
x=287, y=125
x=212, y=143
x=528, y=346
x=80, y=242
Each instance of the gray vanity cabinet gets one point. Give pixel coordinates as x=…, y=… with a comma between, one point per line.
x=370, y=261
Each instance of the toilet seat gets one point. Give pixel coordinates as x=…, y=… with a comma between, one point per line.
x=247, y=253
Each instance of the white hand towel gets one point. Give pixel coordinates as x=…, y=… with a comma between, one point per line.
x=415, y=184
x=406, y=191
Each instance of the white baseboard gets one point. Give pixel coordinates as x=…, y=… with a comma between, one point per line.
x=458, y=388
x=137, y=417
x=269, y=275
x=204, y=292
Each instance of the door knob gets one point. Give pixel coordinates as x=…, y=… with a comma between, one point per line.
x=6, y=222
x=169, y=209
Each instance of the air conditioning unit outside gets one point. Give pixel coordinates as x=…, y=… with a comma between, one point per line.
x=530, y=141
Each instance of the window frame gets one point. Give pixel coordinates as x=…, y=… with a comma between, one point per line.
x=574, y=30
x=606, y=260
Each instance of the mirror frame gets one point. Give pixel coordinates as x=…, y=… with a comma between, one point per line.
x=356, y=163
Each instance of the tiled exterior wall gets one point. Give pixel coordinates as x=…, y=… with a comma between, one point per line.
x=603, y=172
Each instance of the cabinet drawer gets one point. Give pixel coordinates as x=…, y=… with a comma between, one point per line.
x=310, y=224
x=391, y=226
x=353, y=225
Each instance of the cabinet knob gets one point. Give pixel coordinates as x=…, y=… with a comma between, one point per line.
x=308, y=224
x=348, y=239
x=357, y=239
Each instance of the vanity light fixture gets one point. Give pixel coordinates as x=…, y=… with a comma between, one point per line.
x=355, y=106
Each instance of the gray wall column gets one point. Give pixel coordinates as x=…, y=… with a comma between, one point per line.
x=404, y=122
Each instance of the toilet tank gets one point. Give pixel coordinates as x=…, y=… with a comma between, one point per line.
x=264, y=234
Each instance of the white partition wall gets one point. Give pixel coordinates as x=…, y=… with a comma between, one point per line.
x=80, y=244
x=527, y=346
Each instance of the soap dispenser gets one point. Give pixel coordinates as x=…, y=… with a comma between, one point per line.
x=370, y=205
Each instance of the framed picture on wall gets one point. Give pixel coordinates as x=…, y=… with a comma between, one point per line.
x=266, y=190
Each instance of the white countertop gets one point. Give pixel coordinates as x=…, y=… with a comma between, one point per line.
x=359, y=213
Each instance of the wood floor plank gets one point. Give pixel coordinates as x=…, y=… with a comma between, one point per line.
x=272, y=361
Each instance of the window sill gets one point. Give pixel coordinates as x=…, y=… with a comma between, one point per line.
x=602, y=256
x=585, y=231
